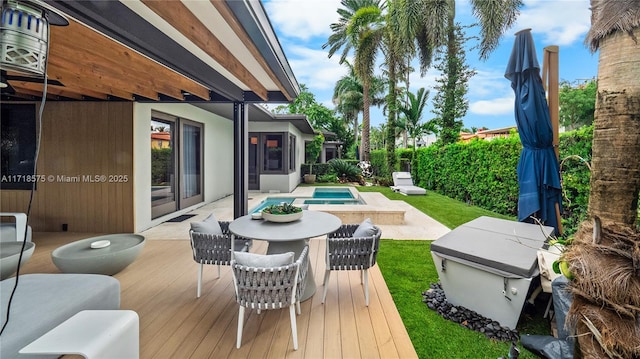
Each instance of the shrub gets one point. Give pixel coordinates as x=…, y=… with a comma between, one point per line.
x=483, y=173
x=327, y=178
x=345, y=170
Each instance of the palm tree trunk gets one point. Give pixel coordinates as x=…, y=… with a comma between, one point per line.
x=355, y=128
x=606, y=291
x=365, y=122
x=392, y=99
x=615, y=180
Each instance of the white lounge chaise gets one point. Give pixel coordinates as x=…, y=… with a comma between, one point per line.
x=403, y=183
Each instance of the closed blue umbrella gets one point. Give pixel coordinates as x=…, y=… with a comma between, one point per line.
x=538, y=169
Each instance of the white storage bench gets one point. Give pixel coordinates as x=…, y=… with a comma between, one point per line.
x=487, y=265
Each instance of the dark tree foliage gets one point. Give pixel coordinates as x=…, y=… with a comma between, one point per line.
x=449, y=103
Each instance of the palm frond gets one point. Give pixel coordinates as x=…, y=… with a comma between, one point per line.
x=608, y=16
x=495, y=17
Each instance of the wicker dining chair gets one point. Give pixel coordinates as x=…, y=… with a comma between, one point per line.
x=215, y=249
x=346, y=252
x=272, y=286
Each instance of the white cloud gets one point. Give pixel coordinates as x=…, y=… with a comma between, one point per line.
x=490, y=93
x=314, y=68
x=496, y=106
x=488, y=82
x=303, y=19
x=561, y=22
x=428, y=81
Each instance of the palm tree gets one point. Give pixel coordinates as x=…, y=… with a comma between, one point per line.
x=347, y=96
x=417, y=27
x=606, y=303
x=405, y=37
x=412, y=111
x=359, y=29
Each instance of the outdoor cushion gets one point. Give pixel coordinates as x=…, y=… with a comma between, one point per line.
x=403, y=183
x=411, y=190
x=263, y=261
x=210, y=226
x=365, y=229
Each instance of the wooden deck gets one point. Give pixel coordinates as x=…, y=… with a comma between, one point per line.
x=161, y=287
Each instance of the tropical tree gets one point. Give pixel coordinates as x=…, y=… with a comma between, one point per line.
x=359, y=28
x=449, y=103
x=577, y=104
x=606, y=264
x=406, y=36
x=318, y=114
x=412, y=111
x=348, y=97
x=377, y=137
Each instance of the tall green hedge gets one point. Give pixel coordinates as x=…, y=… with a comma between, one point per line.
x=483, y=173
x=575, y=159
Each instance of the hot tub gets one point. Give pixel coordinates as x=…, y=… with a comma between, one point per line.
x=487, y=265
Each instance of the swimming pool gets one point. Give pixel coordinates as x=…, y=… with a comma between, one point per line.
x=333, y=193
x=270, y=201
x=333, y=196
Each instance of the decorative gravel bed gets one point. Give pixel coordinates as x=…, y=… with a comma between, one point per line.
x=435, y=299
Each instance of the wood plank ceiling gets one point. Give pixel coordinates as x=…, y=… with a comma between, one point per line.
x=84, y=64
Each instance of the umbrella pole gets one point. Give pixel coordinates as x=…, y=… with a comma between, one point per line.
x=550, y=69
x=550, y=81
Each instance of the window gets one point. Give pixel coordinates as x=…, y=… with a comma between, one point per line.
x=292, y=153
x=18, y=133
x=273, y=154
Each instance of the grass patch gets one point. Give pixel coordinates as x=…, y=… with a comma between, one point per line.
x=443, y=209
x=408, y=270
x=434, y=337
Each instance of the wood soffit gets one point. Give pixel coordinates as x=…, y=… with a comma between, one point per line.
x=90, y=65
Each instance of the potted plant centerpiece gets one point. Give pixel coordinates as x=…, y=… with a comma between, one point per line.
x=283, y=212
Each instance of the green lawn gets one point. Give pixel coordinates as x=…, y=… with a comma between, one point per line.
x=408, y=270
x=443, y=209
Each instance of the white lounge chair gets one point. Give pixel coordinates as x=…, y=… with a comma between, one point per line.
x=403, y=183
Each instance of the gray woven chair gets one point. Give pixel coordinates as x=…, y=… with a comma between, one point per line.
x=265, y=288
x=215, y=249
x=345, y=252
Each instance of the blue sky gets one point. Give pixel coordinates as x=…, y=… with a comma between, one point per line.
x=302, y=26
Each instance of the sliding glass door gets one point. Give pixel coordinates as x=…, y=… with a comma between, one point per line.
x=163, y=167
x=176, y=164
x=191, y=165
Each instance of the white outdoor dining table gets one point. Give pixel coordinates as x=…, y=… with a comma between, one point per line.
x=288, y=237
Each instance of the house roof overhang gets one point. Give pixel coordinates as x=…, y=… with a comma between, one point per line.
x=260, y=114
x=166, y=51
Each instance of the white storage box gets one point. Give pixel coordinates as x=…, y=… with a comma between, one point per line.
x=487, y=265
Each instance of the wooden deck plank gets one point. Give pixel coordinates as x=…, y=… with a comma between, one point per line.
x=366, y=335
x=161, y=287
x=348, y=330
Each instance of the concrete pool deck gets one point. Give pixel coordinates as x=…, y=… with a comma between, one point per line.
x=382, y=211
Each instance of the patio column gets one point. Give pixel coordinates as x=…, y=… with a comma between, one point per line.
x=240, y=159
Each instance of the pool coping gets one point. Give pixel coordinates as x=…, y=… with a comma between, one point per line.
x=416, y=226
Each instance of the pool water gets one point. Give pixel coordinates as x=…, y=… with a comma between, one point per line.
x=332, y=201
x=332, y=193
x=270, y=201
x=334, y=196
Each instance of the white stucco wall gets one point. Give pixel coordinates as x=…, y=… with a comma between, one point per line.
x=284, y=183
x=218, y=156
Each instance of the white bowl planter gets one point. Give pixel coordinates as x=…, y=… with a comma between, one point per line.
x=281, y=218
